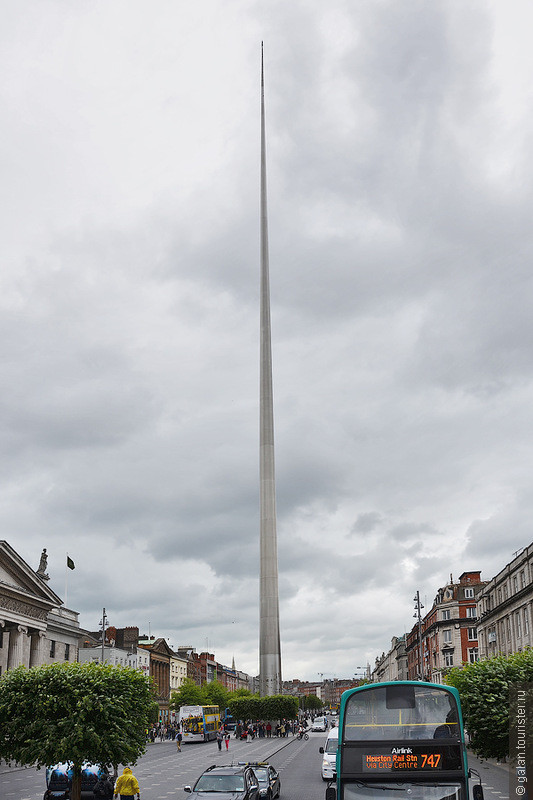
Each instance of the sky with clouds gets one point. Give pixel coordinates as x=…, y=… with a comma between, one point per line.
x=400, y=205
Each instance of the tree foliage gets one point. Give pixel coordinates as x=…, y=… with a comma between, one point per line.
x=484, y=691
x=244, y=708
x=74, y=712
x=188, y=694
x=216, y=694
x=273, y=707
x=312, y=702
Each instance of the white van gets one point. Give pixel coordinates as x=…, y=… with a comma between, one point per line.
x=329, y=751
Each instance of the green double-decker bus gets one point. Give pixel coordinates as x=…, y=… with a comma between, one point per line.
x=401, y=739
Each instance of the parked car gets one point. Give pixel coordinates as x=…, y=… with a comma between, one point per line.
x=227, y=783
x=329, y=755
x=268, y=779
x=320, y=724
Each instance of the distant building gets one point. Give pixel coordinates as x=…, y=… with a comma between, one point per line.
x=505, y=608
x=178, y=671
x=392, y=666
x=160, y=655
x=333, y=689
x=115, y=656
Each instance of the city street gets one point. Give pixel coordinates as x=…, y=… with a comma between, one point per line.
x=163, y=772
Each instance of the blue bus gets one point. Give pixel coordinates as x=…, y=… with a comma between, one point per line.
x=401, y=739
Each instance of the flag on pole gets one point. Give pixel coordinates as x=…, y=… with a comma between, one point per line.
x=70, y=563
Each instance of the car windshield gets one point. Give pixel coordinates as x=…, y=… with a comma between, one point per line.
x=261, y=774
x=331, y=745
x=220, y=783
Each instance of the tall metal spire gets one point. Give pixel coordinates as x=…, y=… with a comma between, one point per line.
x=269, y=637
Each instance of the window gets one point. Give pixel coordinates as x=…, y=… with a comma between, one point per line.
x=448, y=659
x=67, y=652
x=515, y=584
x=472, y=634
x=469, y=592
x=522, y=579
x=508, y=629
x=473, y=655
x=446, y=614
x=526, y=623
x=52, y=649
x=471, y=611
x=447, y=636
x=518, y=625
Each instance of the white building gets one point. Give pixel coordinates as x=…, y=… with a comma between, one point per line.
x=136, y=658
x=35, y=628
x=178, y=671
x=505, y=608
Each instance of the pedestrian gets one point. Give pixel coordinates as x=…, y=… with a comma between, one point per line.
x=179, y=737
x=226, y=737
x=127, y=786
x=220, y=736
x=269, y=730
x=103, y=788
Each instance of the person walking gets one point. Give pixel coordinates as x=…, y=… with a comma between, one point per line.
x=220, y=736
x=227, y=737
x=103, y=788
x=179, y=737
x=127, y=786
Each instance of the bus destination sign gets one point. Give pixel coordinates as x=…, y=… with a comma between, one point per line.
x=409, y=759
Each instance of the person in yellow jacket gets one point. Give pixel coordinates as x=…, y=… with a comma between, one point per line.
x=127, y=786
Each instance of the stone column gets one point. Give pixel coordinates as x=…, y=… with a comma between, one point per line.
x=37, y=648
x=15, y=653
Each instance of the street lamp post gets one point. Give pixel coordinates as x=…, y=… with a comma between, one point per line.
x=418, y=615
x=103, y=623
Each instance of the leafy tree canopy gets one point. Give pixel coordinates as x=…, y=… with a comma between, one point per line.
x=273, y=707
x=313, y=703
x=74, y=712
x=189, y=694
x=216, y=694
x=484, y=691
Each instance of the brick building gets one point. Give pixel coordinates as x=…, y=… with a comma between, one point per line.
x=449, y=630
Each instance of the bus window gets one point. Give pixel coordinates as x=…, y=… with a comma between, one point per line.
x=401, y=712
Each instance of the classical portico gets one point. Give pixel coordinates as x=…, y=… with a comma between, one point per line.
x=26, y=603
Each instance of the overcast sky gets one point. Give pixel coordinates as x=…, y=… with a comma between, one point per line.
x=401, y=240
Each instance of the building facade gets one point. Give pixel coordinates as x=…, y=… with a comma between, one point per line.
x=505, y=608
x=35, y=628
x=392, y=666
x=449, y=635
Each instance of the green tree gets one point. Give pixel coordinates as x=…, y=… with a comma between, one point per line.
x=241, y=693
x=484, y=691
x=273, y=707
x=189, y=694
x=244, y=708
x=74, y=712
x=279, y=706
x=217, y=694
x=312, y=702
